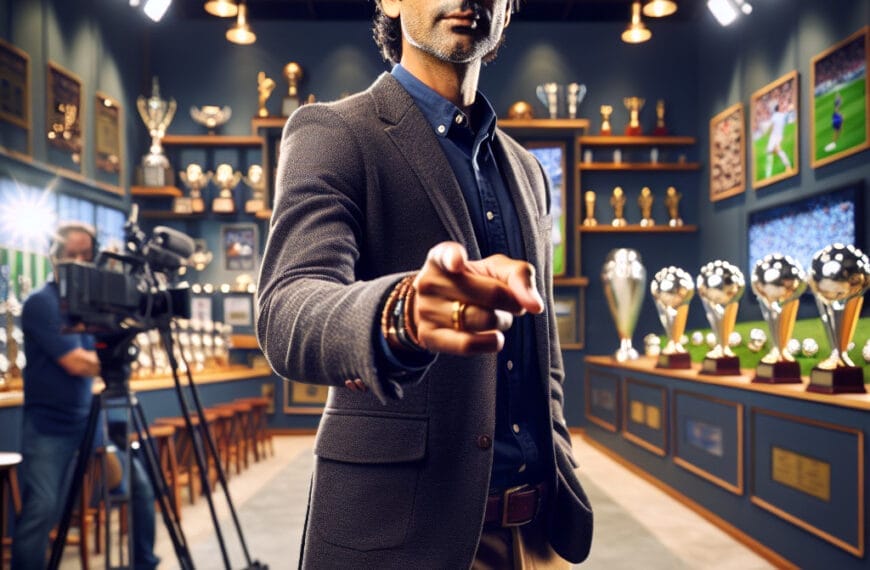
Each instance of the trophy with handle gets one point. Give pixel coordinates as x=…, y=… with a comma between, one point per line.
x=838, y=277
x=256, y=181
x=157, y=114
x=195, y=179
x=778, y=282
x=720, y=286
x=226, y=178
x=624, y=279
x=634, y=105
x=672, y=288
x=548, y=94
x=576, y=92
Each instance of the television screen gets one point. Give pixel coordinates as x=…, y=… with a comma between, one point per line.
x=803, y=227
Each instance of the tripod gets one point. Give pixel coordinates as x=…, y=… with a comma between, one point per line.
x=115, y=352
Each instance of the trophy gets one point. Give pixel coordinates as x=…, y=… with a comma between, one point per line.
x=589, y=198
x=256, y=181
x=576, y=92
x=226, y=178
x=618, y=203
x=634, y=105
x=660, y=129
x=645, y=201
x=606, y=111
x=672, y=203
x=624, y=279
x=293, y=73
x=778, y=282
x=838, y=276
x=548, y=94
x=720, y=286
x=265, y=85
x=672, y=289
x=201, y=256
x=521, y=110
x=157, y=114
x=195, y=179
x=211, y=116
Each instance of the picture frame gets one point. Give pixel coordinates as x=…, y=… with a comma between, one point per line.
x=107, y=134
x=304, y=399
x=727, y=153
x=568, y=301
x=239, y=243
x=552, y=156
x=64, y=113
x=15, y=73
x=239, y=309
x=774, y=130
x=840, y=99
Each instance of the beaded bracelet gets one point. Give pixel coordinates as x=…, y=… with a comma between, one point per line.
x=396, y=319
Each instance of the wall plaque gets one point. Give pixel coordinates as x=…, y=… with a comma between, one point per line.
x=14, y=85
x=802, y=473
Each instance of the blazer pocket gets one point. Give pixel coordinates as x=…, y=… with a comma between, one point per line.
x=365, y=479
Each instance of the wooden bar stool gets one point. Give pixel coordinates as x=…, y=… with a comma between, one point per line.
x=247, y=437
x=164, y=442
x=262, y=436
x=188, y=470
x=8, y=491
x=225, y=437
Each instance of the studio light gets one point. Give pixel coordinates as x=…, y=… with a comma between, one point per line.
x=222, y=8
x=155, y=9
x=726, y=11
x=636, y=32
x=659, y=8
x=241, y=32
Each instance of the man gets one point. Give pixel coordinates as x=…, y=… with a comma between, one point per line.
x=409, y=246
x=776, y=129
x=57, y=399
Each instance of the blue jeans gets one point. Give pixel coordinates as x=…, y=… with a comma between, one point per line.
x=45, y=478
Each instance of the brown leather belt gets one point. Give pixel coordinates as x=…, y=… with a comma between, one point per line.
x=515, y=506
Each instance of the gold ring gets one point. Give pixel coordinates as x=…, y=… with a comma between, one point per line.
x=458, y=313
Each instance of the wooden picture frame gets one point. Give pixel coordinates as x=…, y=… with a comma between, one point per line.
x=552, y=156
x=239, y=243
x=304, y=399
x=727, y=153
x=568, y=301
x=774, y=130
x=840, y=99
x=107, y=134
x=15, y=81
x=64, y=112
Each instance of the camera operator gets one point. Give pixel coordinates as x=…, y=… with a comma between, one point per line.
x=57, y=400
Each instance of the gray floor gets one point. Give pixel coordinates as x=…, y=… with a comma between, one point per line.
x=637, y=526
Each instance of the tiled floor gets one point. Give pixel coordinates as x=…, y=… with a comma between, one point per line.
x=637, y=525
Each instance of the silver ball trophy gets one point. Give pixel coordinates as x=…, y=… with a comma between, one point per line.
x=624, y=279
x=720, y=286
x=778, y=282
x=838, y=277
x=672, y=289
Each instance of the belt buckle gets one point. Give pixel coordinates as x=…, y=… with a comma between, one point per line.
x=506, y=504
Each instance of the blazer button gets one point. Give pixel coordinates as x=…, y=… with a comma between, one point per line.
x=484, y=442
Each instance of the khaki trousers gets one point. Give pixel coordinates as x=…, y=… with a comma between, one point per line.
x=517, y=548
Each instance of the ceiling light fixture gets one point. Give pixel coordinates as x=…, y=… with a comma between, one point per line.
x=155, y=9
x=222, y=8
x=726, y=11
x=659, y=8
x=636, y=32
x=241, y=32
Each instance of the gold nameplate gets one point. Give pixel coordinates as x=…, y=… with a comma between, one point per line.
x=653, y=417
x=802, y=473
x=637, y=412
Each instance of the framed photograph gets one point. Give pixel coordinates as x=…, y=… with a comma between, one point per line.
x=239, y=310
x=552, y=157
x=727, y=154
x=774, y=130
x=200, y=308
x=568, y=302
x=14, y=85
x=64, y=112
x=107, y=133
x=306, y=399
x=839, y=102
x=239, y=247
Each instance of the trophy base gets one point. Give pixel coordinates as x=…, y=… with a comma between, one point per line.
x=845, y=380
x=633, y=131
x=675, y=222
x=619, y=222
x=660, y=131
x=289, y=104
x=589, y=222
x=676, y=361
x=647, y=222
x=254, y=206
x=606, y=131
x=778, y=373
x=725, y=366
x=155, y=176
x=182, y=205
x=223, y=205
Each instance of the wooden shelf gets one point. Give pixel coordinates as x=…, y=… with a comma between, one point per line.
x=626, y=166
x=264, y=214
x=571, y=281
x=169, y=215
x=636, y=228
x=543, y=124
x=155, y=191
x=213, y=140
x=247, y=341
x=617, y=140
x=267, y=123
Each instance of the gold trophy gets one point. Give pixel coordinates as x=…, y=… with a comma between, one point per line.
x=634, y=105
x=778, y=282
x=226, y=178
x=618, y=203
x=211, y=116
x=157, y=114
x=672, y=289
x=265, y=85
x=293, y=73
x=720, y=286
x=606, y=111
x=672, y=203
x=195, y=179
x=661, y=129
x=839, y=276
x=645, y=201
x=589, y=198
x=256, y=181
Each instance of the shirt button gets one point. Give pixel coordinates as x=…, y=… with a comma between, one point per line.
x=516, y=428
x=441, y=129
x=490, y=216
x=510, y=364
x=458, y=119
x=522, y=468
x=484, y=442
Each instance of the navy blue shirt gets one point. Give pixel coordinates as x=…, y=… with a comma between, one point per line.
x=52, y=396
x=467, y=143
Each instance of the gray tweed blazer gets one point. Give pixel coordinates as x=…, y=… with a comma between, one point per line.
x=402, y=471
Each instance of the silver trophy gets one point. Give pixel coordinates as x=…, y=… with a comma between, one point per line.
x=672, y=289
x=624, y=279
x=548, y=94
x=839, y=276
x=720, y=286
x=157, y=114
x=778, y=282
x=211, y=116
x=575, y=93
x=226, y=178
x=256, y=181
x=195, y=179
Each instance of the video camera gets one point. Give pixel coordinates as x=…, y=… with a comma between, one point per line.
x=133, y=290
